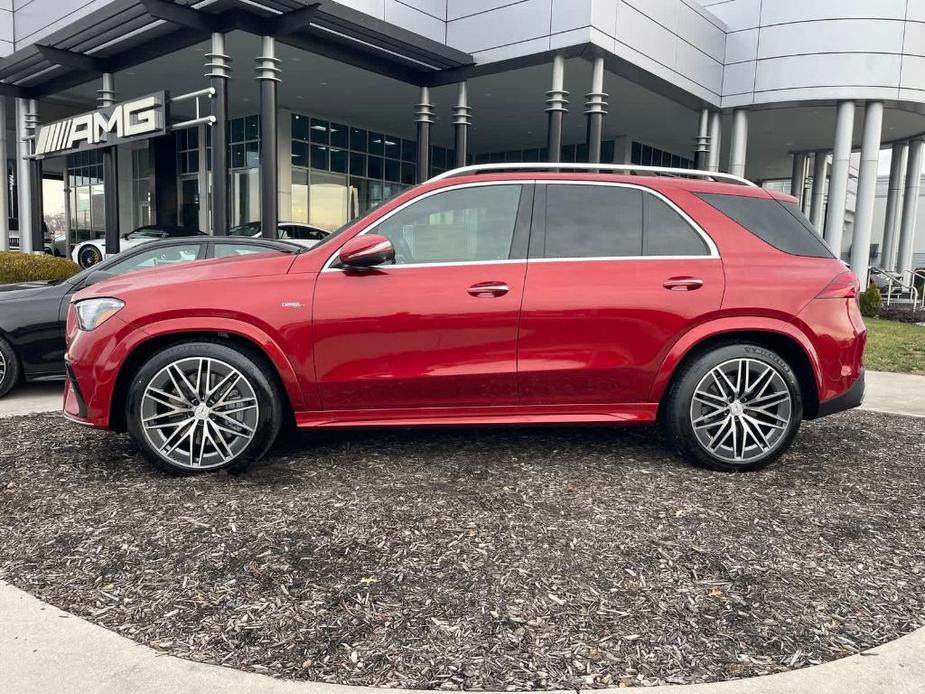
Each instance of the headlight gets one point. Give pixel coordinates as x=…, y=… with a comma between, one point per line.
x=92, y=313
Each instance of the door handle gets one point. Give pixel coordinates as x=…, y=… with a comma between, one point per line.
x=489, y=289
x=682, y=284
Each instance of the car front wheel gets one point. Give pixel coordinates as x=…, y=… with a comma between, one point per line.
x=735, y=408
x=202, y=407
x=89, y=256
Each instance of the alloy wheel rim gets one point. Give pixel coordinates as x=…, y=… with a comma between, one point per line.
x=199, y=413
x=741, y=410
x=2, y=368
x=90, y=257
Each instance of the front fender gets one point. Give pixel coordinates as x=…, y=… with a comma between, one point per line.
x=721, y=326
x=231, y=326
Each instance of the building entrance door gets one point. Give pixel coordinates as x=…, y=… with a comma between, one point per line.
x=189, y=203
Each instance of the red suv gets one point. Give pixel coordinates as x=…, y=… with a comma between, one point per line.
x=487, y=297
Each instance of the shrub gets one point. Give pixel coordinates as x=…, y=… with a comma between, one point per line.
x=870, y=302
x=25, y=267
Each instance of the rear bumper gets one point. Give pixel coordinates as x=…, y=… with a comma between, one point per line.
x=850, y=399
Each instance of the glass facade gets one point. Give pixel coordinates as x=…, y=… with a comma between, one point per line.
x=87, y=208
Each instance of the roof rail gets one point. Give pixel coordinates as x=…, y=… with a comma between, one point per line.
x=607, y=168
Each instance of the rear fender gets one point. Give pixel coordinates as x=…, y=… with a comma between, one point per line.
x=705, y=331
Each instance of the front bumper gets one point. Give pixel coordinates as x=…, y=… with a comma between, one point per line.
x=850, y=399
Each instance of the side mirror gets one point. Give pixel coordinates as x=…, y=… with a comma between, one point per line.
x=367, y=251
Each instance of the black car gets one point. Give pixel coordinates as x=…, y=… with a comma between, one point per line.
x=89, y=253
x=32, y=314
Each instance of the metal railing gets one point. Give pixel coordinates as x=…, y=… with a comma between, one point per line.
x=602, y=168
x=895, y=287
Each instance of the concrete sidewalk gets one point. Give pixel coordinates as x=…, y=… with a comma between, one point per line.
x=43, y=650
x=33, y=398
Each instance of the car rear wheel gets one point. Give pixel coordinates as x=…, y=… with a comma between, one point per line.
x=203, y=407
x=735, y=408
x=88, y=256
x=9, y=367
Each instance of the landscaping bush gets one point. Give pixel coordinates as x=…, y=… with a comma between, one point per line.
x=870, y=302
x=25, y=267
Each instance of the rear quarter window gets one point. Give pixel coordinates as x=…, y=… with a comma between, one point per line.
x=779, y=224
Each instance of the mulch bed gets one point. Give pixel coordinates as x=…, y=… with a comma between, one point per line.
x=901, y=313
x=488, y=559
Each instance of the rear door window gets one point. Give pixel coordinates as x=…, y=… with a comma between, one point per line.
x=779, y=224
x=668, y=233
x=593, y=221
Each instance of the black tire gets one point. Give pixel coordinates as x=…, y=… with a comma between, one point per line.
x=681, y=410
x=9, y=367
x=88, y=256
x=256, y=379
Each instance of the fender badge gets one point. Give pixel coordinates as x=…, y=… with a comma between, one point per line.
x=292, y=304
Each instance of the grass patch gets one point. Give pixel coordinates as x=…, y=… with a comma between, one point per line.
x=895, y=346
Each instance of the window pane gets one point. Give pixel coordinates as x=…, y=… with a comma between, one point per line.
x=339, y=135
x=252, y=154
x=357, y=164
x=299, y=195
x=780, y=225
x=593, y=221
x=237, y=156
x=464, y=225
x=376, y=143
x=226, y=250
x=667, y=233
x=392, y=170
x=299, y=153
x=319, y=157
x=338, y=161
x=299, y=128
x=252, y=128
x=328, y=201
x=375, y=167
x=319, y=131
x=357, y=139
x=409, y=150
x=157, y=257
x=392, y=147
x=407, y=173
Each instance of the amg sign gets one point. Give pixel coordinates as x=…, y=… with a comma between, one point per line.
x=131, y=120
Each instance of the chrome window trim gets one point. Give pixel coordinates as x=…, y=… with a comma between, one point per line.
x=712, y=255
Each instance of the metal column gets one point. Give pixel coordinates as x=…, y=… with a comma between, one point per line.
x=702, y=141
x=716, y=128
x=817, y=204
x=595, y=110
x=556, y=108
x=838, y=177
x=798, y=176
x=219, y=67
x=23, y=178
x=36, y=206
x=424, y=116
x=867, y=190
x=268, y=75
x=893, y=205
x=106, y=96
x=462, y=119
x=738, y=148
x=5, y=184
x=910, y=206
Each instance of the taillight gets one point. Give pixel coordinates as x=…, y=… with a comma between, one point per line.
x=844, y=286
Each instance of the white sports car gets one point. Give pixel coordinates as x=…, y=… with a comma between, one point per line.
x=90, y=253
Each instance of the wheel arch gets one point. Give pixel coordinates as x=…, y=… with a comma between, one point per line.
x=794, y=347
x=264, y=350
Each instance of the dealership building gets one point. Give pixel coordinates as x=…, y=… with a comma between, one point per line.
x=216, y=113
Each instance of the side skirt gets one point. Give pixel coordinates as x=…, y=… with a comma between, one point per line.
x=629, y=413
